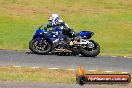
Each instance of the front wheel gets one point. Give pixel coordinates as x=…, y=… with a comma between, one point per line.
x=90, y=50
x=39, y=47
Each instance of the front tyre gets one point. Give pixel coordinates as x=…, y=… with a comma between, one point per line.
x=39, y=47
x=88, y=51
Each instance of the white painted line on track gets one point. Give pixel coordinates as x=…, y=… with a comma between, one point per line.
x=34, y=67
x=66, y=69
x=53, y=68
x=108, y=71
x=122, y=56
x=124, y=72
x=16, y=66
x=129, y=57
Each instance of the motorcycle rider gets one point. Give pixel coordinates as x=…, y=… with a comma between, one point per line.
x=59, y=26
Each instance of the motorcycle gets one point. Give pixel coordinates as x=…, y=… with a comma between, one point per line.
x=55, y=42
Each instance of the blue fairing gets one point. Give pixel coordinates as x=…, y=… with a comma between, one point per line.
x=40, y=32
x=85, y=34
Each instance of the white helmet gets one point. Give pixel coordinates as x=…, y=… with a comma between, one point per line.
x=54, y=18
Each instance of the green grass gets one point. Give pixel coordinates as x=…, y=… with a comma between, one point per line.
x=110, y=20
x=36, y=75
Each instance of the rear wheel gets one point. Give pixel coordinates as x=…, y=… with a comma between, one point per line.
x=39, y=47
x=90, y=50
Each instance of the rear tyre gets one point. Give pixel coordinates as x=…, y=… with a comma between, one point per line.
x=40, y=47
x=90, y=52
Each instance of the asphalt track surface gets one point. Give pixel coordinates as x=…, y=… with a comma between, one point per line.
x=53, y=85
x=28, y=59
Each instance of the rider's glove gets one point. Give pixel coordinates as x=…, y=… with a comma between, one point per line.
x=49, y=25
x=45, y=28
x=60, y=24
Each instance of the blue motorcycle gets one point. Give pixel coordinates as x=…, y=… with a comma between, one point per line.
x=56, y=42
